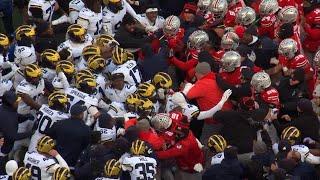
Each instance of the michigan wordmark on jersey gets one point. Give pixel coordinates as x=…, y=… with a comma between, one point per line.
x=140, y=167
x=75, y=7
x=39, y=164
x=130, y=71
x=46, y=117
x=31, y=90
x=47, y=7
x=119, y=95
x=76, y=48
x=91, y=21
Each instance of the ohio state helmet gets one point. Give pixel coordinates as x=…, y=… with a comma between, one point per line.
x=246, y=16
x=230, y=61
x=232, y=2
x=288, y=14
x=204, y=4
x=260, y=81
x=171, y=25
x=230, y=40
x=197, y=39
x=288, y=48
x=161, y=121
x=218, y=8
x=268, y=7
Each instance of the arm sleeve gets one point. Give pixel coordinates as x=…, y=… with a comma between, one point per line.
x=171, y=153
x=73, y=15
x=209, y=113
x=83, y=22
x=185, y=66
x=312, y=159
x=64, y=80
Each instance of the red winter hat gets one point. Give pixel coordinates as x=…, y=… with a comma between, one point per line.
x=239, y=30
x=190, y=8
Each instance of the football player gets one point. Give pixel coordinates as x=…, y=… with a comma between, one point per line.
x=48, y=114
x=119, y=89
x=146, y=108
x=196, y=42
x=128, y=109
x=112, y=170
x=22, y=173
x=290, y=59
x=61, y=173
x=293, y=136
x=217, y=11
x=77, y=39
x=49, y=59
x=113, y=13
x=138, y=164
x=75, y=7
x=90, y=17
x=97, y=64
x=163, y=83
x=65, y=71
x=268, y=21
x=42, y=10
x=106, y=126
x=45, y=160
x=179, y=103
x=66, y=54
x=203, y=7
x=234, y=6
x=246, y=16
x=265, y=93
x=229, y=42
x=87, y=52
x=151, y=20
x=24, y=52
x=148, y=90
x=126, y=65
x=311, y=27
x=216, y=145
x=172, y=32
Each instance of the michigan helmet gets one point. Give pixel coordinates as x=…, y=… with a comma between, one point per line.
x=218, y=8
x=49, y=58
x=61, y=173
x=203, y=5
x=217, y=143
x=291, y=133
x=197, y=40
x=66, y=67
x=288, y=14
x=246, y=16
x=138, y=147
x=57, y=100
x=171, y=25
x=260, y=81
x=161, y=121
x=268, y=7
x=86, y=84
x=112, y=168
x=119, y=56
x=230, y=41
x=90, y=50
x=45, y=144
x=76, y=33
x=32, y=71
x=4, y=41
x=145, y=105
x=162, y=80
x=288, y=48
x=105, y=40
x=22, y=173
x=66, y=54
x=25, y=31
x=230, y=61
x=132, y=101
x=84, y=72
x=96, y=63
x=146, y=90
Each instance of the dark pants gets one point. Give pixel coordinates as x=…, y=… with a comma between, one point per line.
x=6, y=15
x=196, y=128
x=3, y=161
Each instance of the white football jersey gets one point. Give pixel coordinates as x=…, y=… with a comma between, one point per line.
x=115, y=95
x=91, y=21
x=106, y=134
x=47, y=7
x=76, y=48
x=116, y=109
x=18, y=77
x=46, y=117
x=75, y=7
x=302, y=149
x=32, y=90
x=130, y=71
x=101, y=83
x=81, y=64
x=111, y=21
x=39, y=164
x=158, y=24
x=5, y=85
x=140, y=167
x=216, y=159
x=4, y=177
x=76, y=96
x=48, y=74
x=190, y=110
x=24, y=55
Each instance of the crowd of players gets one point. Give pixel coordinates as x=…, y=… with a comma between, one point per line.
x=227, y=90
